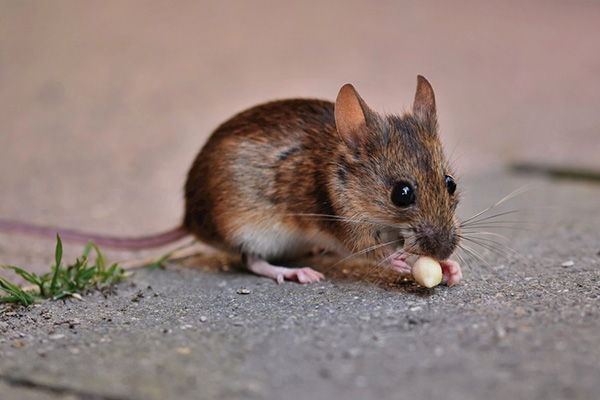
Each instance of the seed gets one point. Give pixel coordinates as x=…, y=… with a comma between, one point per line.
x=427, y=271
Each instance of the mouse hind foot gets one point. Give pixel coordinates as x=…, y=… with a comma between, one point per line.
x=264, y=268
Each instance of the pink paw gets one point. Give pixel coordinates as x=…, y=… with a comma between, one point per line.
x=399, y=263
x=451, y=273
x=302, y=275
x=262, y=267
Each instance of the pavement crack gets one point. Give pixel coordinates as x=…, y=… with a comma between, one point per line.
x=29, y=383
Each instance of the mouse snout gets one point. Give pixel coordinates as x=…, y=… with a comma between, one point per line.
x=436, y=243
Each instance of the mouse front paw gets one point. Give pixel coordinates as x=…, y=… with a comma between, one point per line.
x=399, y=264
x=451, y=273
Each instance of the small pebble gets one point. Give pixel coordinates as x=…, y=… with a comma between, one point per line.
x=500, y=333
x=569, y=263
x=352, y=353
x=57, y=336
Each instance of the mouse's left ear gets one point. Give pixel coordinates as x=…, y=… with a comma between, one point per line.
x=424, y=104
x=352, y=115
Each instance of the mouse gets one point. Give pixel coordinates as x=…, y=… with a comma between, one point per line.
x=284, y=178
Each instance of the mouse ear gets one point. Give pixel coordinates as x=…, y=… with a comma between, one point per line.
x=424, y=104
x=352, y=115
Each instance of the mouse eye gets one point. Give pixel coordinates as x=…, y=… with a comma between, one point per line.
x=403, y=194
x=450, y=184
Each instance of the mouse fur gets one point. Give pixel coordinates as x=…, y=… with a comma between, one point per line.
x=283, y=177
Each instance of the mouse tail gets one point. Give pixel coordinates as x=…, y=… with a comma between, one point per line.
x=73, y=235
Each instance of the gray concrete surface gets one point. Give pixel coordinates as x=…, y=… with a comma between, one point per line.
x=103, y=107
x=525, y=327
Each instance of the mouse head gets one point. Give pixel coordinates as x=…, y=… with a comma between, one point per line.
x=393, y=175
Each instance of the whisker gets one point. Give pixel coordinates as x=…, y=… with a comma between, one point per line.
x=382, y=270
x=472, y=221
x=373, y=269
x=494, y=234
x=499, y=226
x=495, y=244
x=464, y=261
x=504, y=251
x=343, y=219
x=504, y=221
x=476, y=237
x=493, y=247
x=377, y=267
x=502, y=200
x=473, y=253
x=366, y=250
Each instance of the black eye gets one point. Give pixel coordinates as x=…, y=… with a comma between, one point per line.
x=450, y=184
x=403, y=194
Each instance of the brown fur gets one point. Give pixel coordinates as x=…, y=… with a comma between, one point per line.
x=268, y=169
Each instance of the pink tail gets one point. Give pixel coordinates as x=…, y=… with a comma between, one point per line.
x=71, y=235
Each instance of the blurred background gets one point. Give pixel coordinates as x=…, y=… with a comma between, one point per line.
x=104, y=105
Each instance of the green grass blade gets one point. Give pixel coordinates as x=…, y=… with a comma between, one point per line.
x=62, y=294
x=63, y=281
x=58, y=259
x=86, y=278
x=77, y=269
x=86, y=250
x=29, y=277
x=59, y=250
x=113, y=274
x=15, y=293
x=100, y=260
x=110, y=274
x=162, y=261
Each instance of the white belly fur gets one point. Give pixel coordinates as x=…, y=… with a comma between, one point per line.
x=278, y=241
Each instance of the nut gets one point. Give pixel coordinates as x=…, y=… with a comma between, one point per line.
x=427, y=271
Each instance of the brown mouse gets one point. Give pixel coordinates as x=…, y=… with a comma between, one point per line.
x=279, y=179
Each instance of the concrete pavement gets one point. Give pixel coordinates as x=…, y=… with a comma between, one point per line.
x=103, y=107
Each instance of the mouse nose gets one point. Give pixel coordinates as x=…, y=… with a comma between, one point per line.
x=436, y=243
